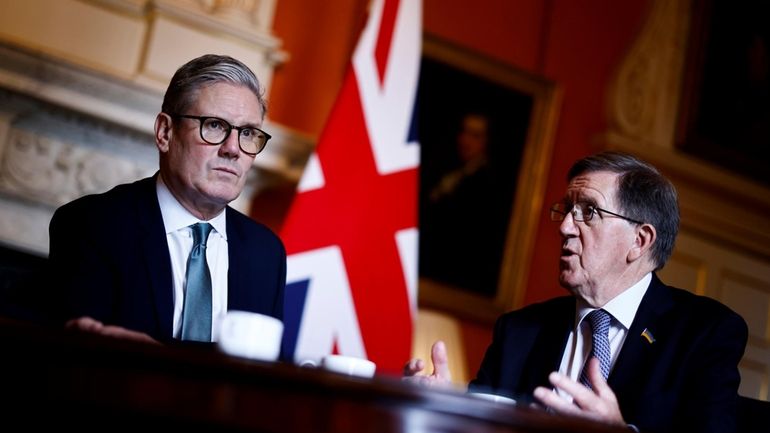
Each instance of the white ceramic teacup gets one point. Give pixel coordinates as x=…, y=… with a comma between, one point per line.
x=349, y=365
x=250, y=335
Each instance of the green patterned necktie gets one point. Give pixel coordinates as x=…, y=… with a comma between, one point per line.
x=196, y=314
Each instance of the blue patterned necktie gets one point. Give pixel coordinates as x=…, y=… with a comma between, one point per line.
x=600, y=347
x=196, y=314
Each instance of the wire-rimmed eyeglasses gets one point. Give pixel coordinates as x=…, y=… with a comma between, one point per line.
x=215, y=131
x=582, y=211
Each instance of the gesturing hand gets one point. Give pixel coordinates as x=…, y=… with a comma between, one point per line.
x=598, y=403
x=440, y=376
x=88, y=324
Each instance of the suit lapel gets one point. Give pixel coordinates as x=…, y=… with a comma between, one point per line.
x=156, y=257
x=238, y=254
x=549, y=346
x=638, y=354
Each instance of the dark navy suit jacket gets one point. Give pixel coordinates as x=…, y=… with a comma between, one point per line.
x=686, y=380
x=109, y=260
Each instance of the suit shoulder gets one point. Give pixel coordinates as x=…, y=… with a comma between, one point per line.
x=703, y=308
x=94, y=206
x=252, y=229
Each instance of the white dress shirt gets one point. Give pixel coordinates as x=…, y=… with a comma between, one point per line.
x=177, y=221
x=622, y=308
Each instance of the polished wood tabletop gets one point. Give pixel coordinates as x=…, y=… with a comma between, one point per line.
x=54, y=378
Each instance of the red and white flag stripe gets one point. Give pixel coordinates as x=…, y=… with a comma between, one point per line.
x=351, y=232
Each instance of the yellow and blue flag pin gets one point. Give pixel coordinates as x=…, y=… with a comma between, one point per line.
x=648, y=336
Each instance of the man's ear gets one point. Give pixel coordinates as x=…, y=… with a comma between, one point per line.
x=645, y=238
x=163, y=132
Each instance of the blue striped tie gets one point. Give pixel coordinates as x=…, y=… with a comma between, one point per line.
x=196, y=314
x=600, y=347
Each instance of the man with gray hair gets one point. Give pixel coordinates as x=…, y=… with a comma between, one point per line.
x=164, y=258
x=624, y=349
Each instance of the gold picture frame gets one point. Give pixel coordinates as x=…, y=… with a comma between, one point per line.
x=528, y=151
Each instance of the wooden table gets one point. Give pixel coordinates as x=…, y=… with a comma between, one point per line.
x=52, y=378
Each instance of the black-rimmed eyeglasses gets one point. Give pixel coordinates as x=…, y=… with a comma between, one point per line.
x=582, y=211
x=215, y=131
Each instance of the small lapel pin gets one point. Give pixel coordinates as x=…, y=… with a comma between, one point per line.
x=648, y=336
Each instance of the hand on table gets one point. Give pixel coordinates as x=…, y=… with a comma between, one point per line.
x=87, y=324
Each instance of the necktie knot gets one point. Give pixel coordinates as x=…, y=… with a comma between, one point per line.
x=201, y=233
x=599, y=320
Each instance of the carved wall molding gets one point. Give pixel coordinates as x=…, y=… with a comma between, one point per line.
x=52, y=172
x=644, y=97
x=250, y=12
x=643, y=106
x=249, y=20
x=79, y=90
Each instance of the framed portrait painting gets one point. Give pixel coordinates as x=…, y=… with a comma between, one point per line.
x=485, y=131
x=725, y=110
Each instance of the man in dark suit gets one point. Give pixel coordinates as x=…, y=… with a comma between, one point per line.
x=120, y=259
x=647, y=355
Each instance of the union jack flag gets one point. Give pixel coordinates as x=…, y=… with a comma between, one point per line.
x=351, y=232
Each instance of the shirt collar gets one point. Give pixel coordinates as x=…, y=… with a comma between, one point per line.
x=176, y=217
x=622, y=307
